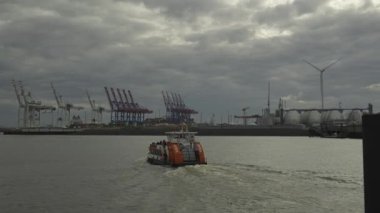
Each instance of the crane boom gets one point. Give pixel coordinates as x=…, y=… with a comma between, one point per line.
x=170, y=101
x=23, y=92
x=174, y=100
x=59, y=100
x=91, y=102
x=115, y=101
x=181, y=101
x=126, y=99
x=166, y=102
x=121, y=99
x=178, y=100
x=130, y=95
x=109, y=99
x=18, y=95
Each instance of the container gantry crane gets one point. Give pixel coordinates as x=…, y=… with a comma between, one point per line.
x=176, y=110
x=65, y=108
x=31, y=116
x=124, y=110
x=97, y=111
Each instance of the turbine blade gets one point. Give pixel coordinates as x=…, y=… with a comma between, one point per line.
x=315, y=67
x=331, y=64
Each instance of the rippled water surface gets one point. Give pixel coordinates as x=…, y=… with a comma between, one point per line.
x=244, y=174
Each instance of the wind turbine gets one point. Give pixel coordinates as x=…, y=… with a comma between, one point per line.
x=321, y=76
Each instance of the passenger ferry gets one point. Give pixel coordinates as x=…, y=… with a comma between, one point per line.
x=179, y=149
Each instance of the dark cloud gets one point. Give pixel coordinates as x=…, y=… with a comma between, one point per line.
x=218, y=54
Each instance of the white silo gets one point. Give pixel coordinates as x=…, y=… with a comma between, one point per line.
x=305, y=117
x=324, y=116
x=314, y=118
x=292, y=117
x=346, y=114
x=355, y=117
x=334, y=115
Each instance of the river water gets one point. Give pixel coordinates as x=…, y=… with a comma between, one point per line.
x=244, y=174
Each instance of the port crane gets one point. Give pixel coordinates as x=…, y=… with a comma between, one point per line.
x=245, y=117
x=21, y=104
x=176, y=110
x=65, y=112
x=31, y=109
x=124, y=109
x=97, y=111
x=114, y=106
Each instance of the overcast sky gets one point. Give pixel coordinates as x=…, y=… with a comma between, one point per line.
x=218, y=54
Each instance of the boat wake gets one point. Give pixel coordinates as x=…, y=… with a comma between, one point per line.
x=230, y=188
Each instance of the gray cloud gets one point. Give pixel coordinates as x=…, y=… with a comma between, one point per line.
x=219, y=55
x=185, y=10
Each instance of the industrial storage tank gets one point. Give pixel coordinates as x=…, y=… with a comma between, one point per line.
x=267, y=120
x=345, y=114
x=324, y=116
x=334, y=115
x=355, y=117
x=314, y=118
x=305, y=117
x=292, y=117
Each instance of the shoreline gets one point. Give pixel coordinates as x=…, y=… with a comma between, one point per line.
x=201, y=131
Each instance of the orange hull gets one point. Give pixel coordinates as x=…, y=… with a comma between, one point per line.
x=174, y=155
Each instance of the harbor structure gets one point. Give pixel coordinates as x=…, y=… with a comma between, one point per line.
x=29, y=110
x=246, y=117
x=64, y=110
x=176, y=109
x=312, y=117
x=337, y=122
x=124, y=110
x=96, y=111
